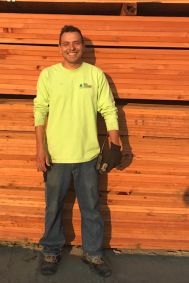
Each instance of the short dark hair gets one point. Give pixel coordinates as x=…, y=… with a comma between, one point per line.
x=67, y=28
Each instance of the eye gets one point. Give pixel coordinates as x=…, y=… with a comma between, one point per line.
x=77, y=43
x=65, y=44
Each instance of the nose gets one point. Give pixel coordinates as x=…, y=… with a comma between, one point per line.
x=72, y=46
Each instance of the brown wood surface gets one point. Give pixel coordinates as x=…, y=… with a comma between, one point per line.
x=134, y=119
x=98, y=30
x=145, y=203
x=132, y=73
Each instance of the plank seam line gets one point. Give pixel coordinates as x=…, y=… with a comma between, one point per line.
x=102, y=46
x=125, y=101
x=119, y=101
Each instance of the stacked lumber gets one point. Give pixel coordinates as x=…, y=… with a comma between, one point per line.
x=138, y=201
x=145, y=201
x=98, y=30
x=132, y=73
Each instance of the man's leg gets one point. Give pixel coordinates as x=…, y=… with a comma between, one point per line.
x=87, y=191
x=57, y=181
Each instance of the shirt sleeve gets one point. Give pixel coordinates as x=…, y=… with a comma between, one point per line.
x=106, y=104
x=41, y=102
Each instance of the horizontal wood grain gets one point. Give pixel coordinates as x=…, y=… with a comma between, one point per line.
x=145, y=120
x=136, y=73
x=98, y=30
x=144, y=202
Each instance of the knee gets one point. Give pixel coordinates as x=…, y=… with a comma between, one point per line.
x=91, y=212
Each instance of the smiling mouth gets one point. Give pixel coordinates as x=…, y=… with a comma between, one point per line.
x=72, y=54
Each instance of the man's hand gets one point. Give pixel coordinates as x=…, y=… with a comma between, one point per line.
x=42, y=160
x=115, y=156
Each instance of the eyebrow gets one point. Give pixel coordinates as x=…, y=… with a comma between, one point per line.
x=71, y=41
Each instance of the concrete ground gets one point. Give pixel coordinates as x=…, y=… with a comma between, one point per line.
x=20, y=265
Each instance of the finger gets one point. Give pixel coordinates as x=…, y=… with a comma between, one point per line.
x=38, y=166
x=47, y=161
x=41, y=166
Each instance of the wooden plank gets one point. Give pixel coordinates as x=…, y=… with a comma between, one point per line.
x=143, y=219
x=144, y=166
x=161, y=203
x=139, y=233
x=142, y=120
x=124, y=183
x=98, y=30
x=21, y=146
x=19, y=152
x=136, y=73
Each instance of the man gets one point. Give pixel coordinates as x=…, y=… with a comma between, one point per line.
x=70, y=94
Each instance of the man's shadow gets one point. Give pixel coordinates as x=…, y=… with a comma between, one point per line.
x=109, y=189
x=106, y=189
x=186, y=197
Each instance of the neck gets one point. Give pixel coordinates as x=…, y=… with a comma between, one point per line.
x=71, y=66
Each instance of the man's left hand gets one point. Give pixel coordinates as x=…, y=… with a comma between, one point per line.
x=115, y=156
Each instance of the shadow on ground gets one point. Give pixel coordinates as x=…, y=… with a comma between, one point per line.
x=20, y=265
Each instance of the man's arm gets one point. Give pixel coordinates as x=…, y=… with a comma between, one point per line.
x=107, y=108
x=42, y=158
x=41, y=108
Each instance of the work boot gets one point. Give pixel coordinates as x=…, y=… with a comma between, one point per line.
x=98, y=265
x=49, y=264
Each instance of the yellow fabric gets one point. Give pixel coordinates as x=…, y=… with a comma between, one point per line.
x=71, y=99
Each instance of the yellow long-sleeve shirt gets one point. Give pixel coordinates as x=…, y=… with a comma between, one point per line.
x=71, y=100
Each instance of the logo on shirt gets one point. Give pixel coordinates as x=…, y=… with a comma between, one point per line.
x=85, y=85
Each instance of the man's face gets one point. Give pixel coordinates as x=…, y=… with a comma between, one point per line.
x=72, y=48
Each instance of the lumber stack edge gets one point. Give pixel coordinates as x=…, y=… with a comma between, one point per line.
x=144, y=202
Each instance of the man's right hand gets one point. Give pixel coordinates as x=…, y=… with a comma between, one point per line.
x=42, y=160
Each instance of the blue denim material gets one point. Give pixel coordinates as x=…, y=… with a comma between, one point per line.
x=57, y=181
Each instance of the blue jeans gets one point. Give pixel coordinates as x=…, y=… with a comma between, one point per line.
x=57, y=181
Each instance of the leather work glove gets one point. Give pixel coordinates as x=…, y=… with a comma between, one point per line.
x=113, y=160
